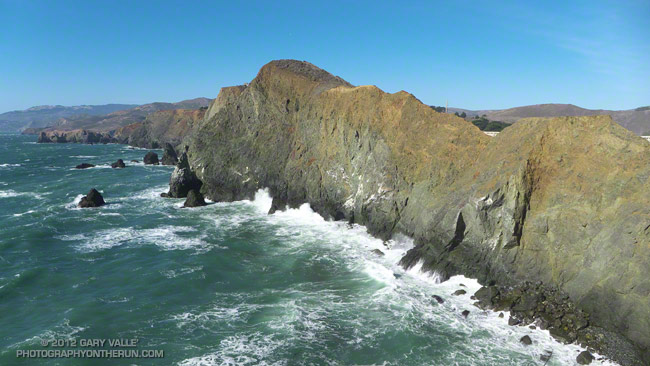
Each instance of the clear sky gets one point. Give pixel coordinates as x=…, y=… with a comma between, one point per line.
x=477, y=55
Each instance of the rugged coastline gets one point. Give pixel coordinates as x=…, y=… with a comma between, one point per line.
x=533, y=203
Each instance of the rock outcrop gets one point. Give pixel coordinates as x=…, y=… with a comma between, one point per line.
x=194, y=199
x=160, y=128
x=169, y=155
x=84, y=166
x=561, y=200
x=151, y=158
x=183, y=179
x=75, y=136
x=118, y=164
x=92, y=199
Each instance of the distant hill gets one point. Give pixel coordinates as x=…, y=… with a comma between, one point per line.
x=46, y=115
x=115, y=119
x=636, y=120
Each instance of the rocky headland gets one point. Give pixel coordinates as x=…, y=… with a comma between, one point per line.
x=558, y=208
x=563, y=201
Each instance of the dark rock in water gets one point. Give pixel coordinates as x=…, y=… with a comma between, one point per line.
x=151, y=158
x=397, y=275
x=526, y=340
x=164, y=195
x=194, y=199
x=135, y=161
x=438, y=299
x=277, y=205
x=85, y=166
x=501, y=315
x=169, y=155
x=546, y=356
x=92, y=199
x=513, y=321
x=378, y=252
x=118, y=164
x=183, y=179
x=465, y=313
x=584, y=358
x=459, y=292
x=487, y=295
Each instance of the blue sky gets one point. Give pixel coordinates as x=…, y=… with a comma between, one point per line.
x=477, y=55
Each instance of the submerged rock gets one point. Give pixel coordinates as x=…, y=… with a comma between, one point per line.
x=377, y=252
x=151, y=158
x=465, y=313
x=84, y=166
x=194, y=199
x=439, y=299
x=169, y=155
x=92, y=199
x=526, y=340
x=183, y=179
x=459, y=292
x=118, y=164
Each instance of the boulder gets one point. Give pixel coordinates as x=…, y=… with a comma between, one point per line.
x=194, y=199
x=92, y=199
x=118, y=164
x=439, y=299
x=459, y=292
x=526, y=340
x=183, y=179
x=84, y=166
x=151, y=158
x=465, y=313
x=169, y=155
x=584, y=358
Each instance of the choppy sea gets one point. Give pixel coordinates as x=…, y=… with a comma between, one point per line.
x=224, y=284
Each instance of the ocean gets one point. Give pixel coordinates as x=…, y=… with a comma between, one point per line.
x=224, y=284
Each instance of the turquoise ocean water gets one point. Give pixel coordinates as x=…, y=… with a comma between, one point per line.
x=224, y=284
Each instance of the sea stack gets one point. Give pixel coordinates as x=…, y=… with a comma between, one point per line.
x=92, y=199
x=169, y=155
x=183, y=179
x=194, y=199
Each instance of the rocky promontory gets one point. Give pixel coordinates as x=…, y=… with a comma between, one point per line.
x=563, y=201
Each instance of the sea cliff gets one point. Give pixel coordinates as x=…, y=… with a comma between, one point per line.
x=562, y=200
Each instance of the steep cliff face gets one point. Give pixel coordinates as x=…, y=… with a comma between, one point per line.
x=351, y=152
x=564, y=200
x=75, y=136
x=160, y=128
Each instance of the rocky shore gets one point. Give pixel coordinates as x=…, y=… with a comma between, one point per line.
x=552, y=215
x=563, y=201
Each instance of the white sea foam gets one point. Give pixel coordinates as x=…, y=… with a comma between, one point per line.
x=9, y=165
x=402, y=292
x=249, y=349
x=165, y=237
x=11, y=193
x=24, y=213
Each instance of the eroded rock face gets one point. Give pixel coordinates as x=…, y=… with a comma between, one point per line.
x=194, y=199
x=561, y=200
x=75, y=136
x=92, y=199
x=169, y=155
x=151, y=158
x=183, y=179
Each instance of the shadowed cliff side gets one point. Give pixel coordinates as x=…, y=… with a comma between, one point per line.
x=562, y=200
x=160, y=128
